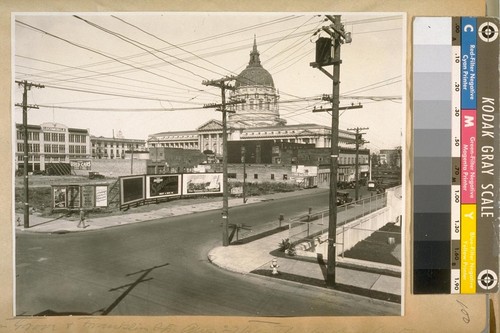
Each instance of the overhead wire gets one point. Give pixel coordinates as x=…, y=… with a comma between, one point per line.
x=108, y=56
x=281, y=102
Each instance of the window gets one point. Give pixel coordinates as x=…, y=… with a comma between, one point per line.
x=62, y=149
x=231, y=175
x=71, y=149
x=255, y=176
x=20, y=135
x=20, y=147
x=36, y=147
x=53, y=137
x=55, y=148
x=272, y=176
x=46, y=149
x=36, y=136
x=62, y=137
x=46, y=136
x=285, y=177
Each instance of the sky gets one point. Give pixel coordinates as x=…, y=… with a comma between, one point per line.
x=143, y=73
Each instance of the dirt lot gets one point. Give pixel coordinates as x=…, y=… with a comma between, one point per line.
x=47, y=181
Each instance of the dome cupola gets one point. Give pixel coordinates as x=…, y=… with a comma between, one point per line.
x=254, y=74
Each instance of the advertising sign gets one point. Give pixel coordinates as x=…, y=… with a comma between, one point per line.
x=59, y=196
x=88, y=196
x=201, y=183
x=73, y=196
x=80, y=164
x=101, y=196
x=132, y=189
x=159, y=186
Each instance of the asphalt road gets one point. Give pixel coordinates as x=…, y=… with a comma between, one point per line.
x=161, y=268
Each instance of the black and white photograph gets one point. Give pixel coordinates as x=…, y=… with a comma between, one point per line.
x=284, y=133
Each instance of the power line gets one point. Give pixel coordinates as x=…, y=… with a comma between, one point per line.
x=120, y=109
x=171, y=44
x=107, y=56
x=139, y=45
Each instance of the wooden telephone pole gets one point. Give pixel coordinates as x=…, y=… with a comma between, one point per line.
x=359, y=141
x=221, y=83
x=324, y=58
x=27, y=86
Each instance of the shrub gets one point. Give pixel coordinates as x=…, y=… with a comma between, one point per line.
x=287, y=247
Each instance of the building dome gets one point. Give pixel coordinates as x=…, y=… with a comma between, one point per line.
x=255, y=87
x=254, y=74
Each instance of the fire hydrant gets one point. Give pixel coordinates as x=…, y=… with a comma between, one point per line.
x=274, y=266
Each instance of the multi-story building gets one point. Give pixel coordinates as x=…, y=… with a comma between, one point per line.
x=51, y=143
x=115, y=147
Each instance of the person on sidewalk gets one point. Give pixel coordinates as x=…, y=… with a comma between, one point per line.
x=81, y=224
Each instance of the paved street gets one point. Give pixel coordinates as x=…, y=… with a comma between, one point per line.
x=161, y=268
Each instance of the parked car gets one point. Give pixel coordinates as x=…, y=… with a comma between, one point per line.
x=95, y=175
x=343, y=198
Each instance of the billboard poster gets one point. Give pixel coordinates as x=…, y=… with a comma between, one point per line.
x=201, y=183
x=88, y=196
x=101, y=196
x=59, y=196
x=158, y=186
x=132, y=189
x=73, y=195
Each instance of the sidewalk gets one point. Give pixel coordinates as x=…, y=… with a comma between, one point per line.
x=70, y=223
x=253, y=257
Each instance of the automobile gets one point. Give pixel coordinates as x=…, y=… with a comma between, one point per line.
x=343, y=198
x=95, y=175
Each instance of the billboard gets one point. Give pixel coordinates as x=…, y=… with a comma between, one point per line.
x=79, y=196
x=201, y=183
x=160, y=186
x=88, y=196
x=59, y=196
x=132, y=189
x=73, y=196
x=101, y=196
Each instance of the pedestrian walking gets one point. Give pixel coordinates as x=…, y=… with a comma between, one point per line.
x=81, y=224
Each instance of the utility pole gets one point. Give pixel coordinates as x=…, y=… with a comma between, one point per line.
x=221, y=83
x=132, y=160
x=243, y=160
x=324, y=58
x=356, y=174
x=27, y=86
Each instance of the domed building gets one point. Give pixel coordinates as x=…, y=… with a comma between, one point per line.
x=257, y=127
x=255, y=85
